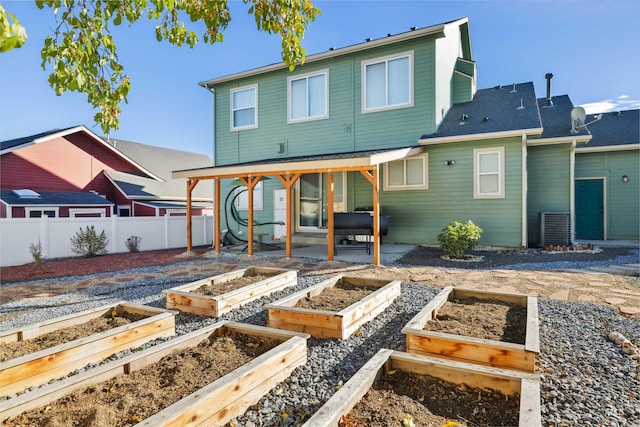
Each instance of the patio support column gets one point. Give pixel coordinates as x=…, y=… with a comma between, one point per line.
x=190, y=186
x=250, y=182
x=288, y=180
x=330, y=236
x=372, y=177
x=216, y=227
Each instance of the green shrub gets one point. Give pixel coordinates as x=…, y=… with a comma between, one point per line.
x=36, y=251
x=88, y=244
x=133, y=243
x=457, y=238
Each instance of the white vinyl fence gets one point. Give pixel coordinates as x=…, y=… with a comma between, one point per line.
x=54, y=234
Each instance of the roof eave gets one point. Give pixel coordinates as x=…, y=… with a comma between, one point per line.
x=480, y=136
x=578, y=139
x=600, y=149
x=347, y=163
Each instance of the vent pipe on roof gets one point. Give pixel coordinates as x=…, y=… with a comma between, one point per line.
x=549, y=101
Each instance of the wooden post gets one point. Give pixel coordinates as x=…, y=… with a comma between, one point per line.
x=372, y=177
x=189, y=230
x=330, y=236
x=288, y=180
x=216, y=232
x=376, y=217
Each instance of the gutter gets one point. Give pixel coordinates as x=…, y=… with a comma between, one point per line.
x=480, y=136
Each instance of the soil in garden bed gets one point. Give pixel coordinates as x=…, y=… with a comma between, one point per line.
x=16, y=349
x=428, y=401
x=129, y=399
x=336, y=298
x=232, y=285
x=488, y=319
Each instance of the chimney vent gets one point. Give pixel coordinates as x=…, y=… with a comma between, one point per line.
x=549, y=101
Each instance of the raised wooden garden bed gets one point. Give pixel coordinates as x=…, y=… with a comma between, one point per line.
x=37, y=368
x=184, y=298
x=212, y=405
x=471, y=349
x=340, y=324
x=518, y=385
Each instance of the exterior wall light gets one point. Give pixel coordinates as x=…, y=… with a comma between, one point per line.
x=449, y=162
x=625, y=178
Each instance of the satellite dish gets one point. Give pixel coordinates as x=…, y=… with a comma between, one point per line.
x=578, y=117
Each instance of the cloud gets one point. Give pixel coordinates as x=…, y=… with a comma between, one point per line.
x=620, y=104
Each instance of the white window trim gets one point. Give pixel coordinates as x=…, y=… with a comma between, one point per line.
x=476, y=173
x=255, y=103
x=122, y=207
x=27, y=211
x=425, y=170
x=363, y=89
x=74, y=212
x=326, y=96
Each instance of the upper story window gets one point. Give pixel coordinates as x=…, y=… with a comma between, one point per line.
x=244, y=108
x=387, y=83
x=407, y=174
x=488, y=173
x=308, y=97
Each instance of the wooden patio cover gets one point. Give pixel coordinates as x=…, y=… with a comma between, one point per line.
x=288, y=171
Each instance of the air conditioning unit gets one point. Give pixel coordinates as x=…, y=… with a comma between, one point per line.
x=555, y=228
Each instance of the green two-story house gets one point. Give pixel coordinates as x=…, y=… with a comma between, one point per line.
x=394, y=126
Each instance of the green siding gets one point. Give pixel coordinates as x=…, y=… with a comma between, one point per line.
x=346, y=129
x=462, y=88
x=622, y=198
x=549, y=182
x=418, y=216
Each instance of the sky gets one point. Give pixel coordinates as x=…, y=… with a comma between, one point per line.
x=591, y=47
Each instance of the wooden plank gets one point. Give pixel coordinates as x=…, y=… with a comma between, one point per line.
x=532, y=339
x=507, y=381
x=39, y=367
x=470, y=349
x=518, y=299
x=429, y=312
x=304, y=316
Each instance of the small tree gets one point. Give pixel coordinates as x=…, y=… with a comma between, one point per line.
x=36, y=251
x=457, y=238
x=133, y=243
x=88, y=244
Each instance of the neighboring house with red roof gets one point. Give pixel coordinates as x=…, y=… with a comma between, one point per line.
x=73, y=172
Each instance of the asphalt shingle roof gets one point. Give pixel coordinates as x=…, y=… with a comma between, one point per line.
x=492, y=110
x=616, y=128
x=11, y=143
x=556, y=119
x=54, y=198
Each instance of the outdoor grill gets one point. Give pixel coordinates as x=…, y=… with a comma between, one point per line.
x=359, y=223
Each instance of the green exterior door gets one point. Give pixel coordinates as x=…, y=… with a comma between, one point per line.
x=589, y=209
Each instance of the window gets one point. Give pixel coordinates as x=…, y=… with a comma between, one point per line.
x=387, y=83
x=407, y=174
x=40, y=212
x=488, y=173
x=242, y=202
x=308, y=97
x=124, y=211
x=244, y=108
x=86, y=213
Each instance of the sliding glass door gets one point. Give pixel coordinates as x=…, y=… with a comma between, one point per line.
x=312, y=200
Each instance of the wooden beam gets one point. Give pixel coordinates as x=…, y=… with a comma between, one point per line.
x=251, y=184
x=288, y=180
x=330, y=236
x=376, y=217
x=216, y=232
x=189, y=225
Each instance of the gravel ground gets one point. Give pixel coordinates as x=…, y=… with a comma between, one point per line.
x=585, y=379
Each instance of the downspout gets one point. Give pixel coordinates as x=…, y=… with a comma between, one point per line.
x=525, y=189
x=572, y=186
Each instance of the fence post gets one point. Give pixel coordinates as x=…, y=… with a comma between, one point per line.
x=166, y=231
x=44, y=235
x=114, y=233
